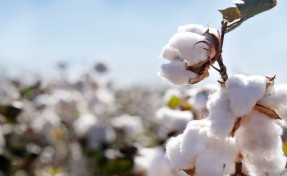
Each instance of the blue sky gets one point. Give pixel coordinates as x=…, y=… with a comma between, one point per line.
x=35, y=34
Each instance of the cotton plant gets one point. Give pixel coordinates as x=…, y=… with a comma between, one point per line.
x=240, y=135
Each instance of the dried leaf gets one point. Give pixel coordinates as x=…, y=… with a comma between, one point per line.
x=173, y=102
x=269, y=112
x=270, y=81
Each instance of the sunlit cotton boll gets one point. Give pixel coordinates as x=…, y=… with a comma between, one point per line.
x=218, y=158
x=244, y=92
x=173, y=120
x=153, y=162
x=221, y=117
x=87, y=127
x=261, y=145
x=131, y=125
x=193, y=47
x=176, y=72
x=275, y=98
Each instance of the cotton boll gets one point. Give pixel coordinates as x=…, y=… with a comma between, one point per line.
x=176, y=158
x=195, y=138
x=217, y=159
x=190, y=47
x=131, y=125
x=83, y=124
x=221, y=117
x=244, y=92
x=194, y=28
x=177, y=73
x=170, y=53
x=173, y=120
x=275, y=98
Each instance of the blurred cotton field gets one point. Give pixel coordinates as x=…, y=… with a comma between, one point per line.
x=86, y=126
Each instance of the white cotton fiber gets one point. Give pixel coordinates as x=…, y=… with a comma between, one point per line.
x=176, y=73
x=190, y=47
x=194, y=28
x=195, y=138
x=173, y=120
x=275, y=98
x=170, y=53
x=221, y=117
x=244, y=92
x=173, y=152
x=217, y=159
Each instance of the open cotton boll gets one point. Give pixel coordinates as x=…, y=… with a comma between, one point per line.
x=173, y=120
x=194, y=28
x=83, y=124
x=131, y=125
x=191, y=48
x=195, y=138
x=176, y=73
x=275, y=98
x=176, y=158
x=170, y=53
x=221, y=117
x=217, y=159
x=244, y=92
x=46, y=121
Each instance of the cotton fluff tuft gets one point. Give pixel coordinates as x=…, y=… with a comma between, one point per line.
x=260, y=144
x=244, y=92
x=275, y=98
x=190, y=48
x=175, y=156
x=176, y=72
x=221, y=117
x=218, y=158
x=173, y=120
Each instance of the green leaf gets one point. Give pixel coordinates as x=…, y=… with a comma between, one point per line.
x=11, y=112
x=30, y=92
x=246, y=10
x=251, y=8
x=173, y=102
x=119, y=165
x=284, y=147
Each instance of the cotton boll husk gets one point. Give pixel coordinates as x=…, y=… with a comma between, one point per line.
x=195, y=138
x=194, y=28
x=176, y=73
x=275, y=98
x=221, y=117
x=218, y=158
x=170, y=53
x=244, y=92
x=173, y=120
x=190, y=47
x=176, y=158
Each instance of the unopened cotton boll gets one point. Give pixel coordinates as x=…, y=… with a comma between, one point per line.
x=177, y=73
x=221, y=117
x=244, y=92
